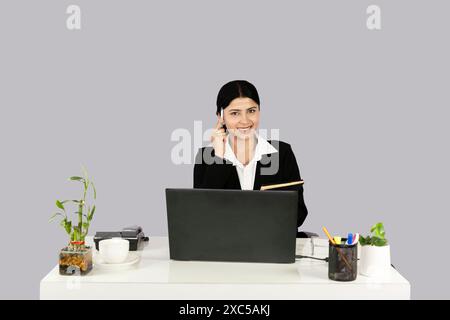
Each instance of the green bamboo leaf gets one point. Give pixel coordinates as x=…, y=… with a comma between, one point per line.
x=54, y=216
x=95, y=191
x=60, y=205
x=91, y=214
x=86, y=176
x=68, y=226
x=76, y=178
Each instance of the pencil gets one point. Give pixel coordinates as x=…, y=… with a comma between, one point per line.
x=328, y=235
x=281, y=185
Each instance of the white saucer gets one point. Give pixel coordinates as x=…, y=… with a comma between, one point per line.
x=132, y=259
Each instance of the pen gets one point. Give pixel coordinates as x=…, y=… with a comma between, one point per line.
x=350, y=239
x=356, y=238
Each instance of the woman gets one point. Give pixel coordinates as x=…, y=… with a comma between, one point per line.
x=239, y=158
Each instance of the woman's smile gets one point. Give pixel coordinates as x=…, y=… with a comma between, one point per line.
x=245, y=129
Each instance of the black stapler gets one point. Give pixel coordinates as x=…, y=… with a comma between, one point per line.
x=133, y=234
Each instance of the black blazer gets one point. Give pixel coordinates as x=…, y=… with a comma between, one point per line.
x=218, y=173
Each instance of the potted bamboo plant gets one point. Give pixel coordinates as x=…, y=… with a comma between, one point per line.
x=76, y=257
x=375, y=252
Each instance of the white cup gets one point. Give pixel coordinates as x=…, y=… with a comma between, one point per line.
x=114, y=250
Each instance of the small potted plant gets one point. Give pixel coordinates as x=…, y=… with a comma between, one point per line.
x=375, y=252
x=76, y=257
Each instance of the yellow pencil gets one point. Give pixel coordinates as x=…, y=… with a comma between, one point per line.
x=328, y=235
x=282, y=185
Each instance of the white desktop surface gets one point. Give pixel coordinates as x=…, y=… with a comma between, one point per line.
x=158, y=277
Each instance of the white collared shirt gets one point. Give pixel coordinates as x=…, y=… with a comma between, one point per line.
x=247, y=173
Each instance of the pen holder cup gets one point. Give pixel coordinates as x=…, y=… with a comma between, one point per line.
x=342, y=261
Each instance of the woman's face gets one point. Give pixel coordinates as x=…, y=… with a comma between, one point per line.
x=242, y=117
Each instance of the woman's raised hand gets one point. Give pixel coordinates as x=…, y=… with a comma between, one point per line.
x=218, y=138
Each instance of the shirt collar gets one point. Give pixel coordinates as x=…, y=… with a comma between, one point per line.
x=262, y=147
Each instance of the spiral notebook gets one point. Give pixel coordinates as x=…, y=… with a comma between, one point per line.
x=282, y=185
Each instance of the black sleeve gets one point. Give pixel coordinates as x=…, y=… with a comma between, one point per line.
x=209, y=176
x=292, y=173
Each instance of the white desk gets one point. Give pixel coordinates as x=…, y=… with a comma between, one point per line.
x=158, y=277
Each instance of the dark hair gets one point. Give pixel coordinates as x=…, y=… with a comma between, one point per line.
x=235, y=89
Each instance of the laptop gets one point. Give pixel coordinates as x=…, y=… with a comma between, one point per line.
x=232, y=225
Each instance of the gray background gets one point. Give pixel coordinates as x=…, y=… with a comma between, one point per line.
x=366, y=113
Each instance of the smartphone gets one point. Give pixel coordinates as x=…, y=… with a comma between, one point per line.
x=221, y=116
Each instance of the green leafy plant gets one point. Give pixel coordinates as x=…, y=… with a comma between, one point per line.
x=77, y=231
x=377, y=238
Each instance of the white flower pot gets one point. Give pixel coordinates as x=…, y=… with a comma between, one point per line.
x=375, y=261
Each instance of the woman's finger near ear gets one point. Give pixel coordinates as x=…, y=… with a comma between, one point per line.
x=218, y=124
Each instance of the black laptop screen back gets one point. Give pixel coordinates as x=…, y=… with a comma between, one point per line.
x=232, y=225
